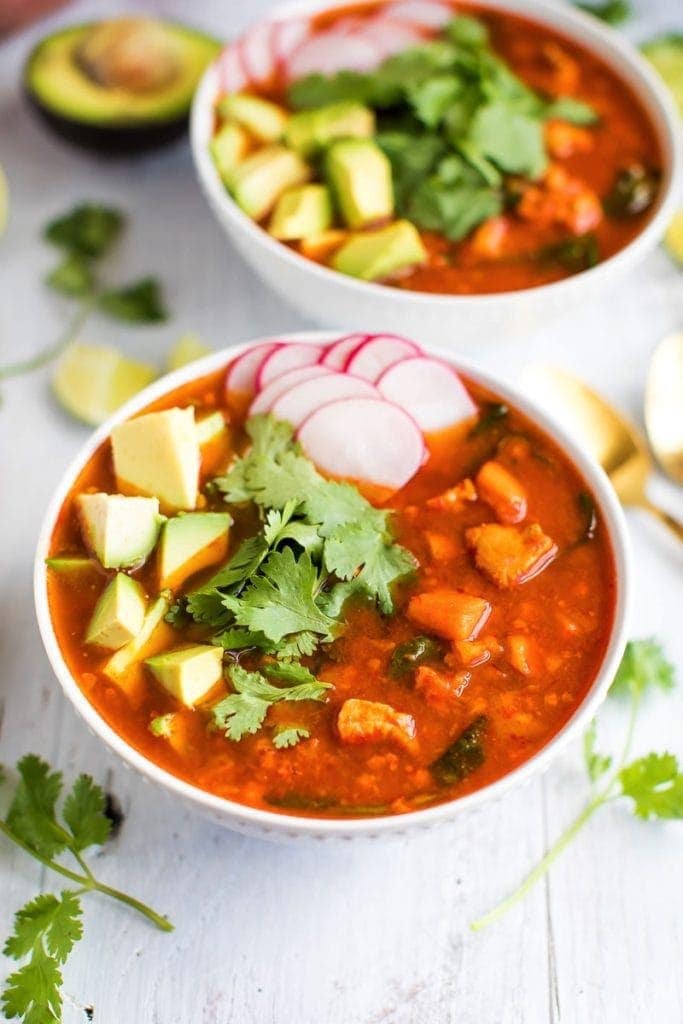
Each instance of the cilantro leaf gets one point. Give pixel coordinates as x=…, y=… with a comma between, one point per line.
x=31, y=814
x=318, y=90
x=73, y=276
x=514, y=141
x=84, y=813
x=56, y=921
x=655, y=784
x=289, y=736
x=237, y=638
x=292, y=673
x=33, y=992
x=567, y=108
x=137, y=303
x=88, y=230
x=244, y=711
x=281, y=599
x=454, y=212
x=612, y=12
x=355, y=550
x=596, y=764
x=644, y=665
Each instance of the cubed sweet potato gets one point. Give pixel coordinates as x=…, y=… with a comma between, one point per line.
x=564, y=139
x=510, y=555
x=449, y=613
x=497, y=486
x=369, y=721
x=439, y=689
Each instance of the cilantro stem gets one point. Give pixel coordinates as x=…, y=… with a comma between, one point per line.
x=52, y=351
x=87, y=881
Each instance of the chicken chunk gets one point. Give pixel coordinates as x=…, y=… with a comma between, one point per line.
x=509, y=555
x=455, y=498
x=439, y=689
x=564, y=139
x=369, y=721
x=449, y=613
x=502, y=491
x=562, y=200
x=488, y=241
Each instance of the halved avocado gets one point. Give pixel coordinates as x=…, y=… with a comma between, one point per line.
x=118, y=86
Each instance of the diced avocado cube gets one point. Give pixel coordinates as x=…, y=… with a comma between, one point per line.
x=210, y=428
x=301, y=212
x=118, y=615
x=360, y=176
x=191, y=542
x=373, y=255
x=264, y=120
x=228, y=147
x=312, y=130
x=158, y=454
x=68, y=565
x=189, y=673
x=152, y=638
x=119, y=530
x=187, y=348
x=260, y=180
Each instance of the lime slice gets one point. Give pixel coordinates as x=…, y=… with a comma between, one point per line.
x=4, y=201
x=666, y=54
x=673, y=239
x=186, y=349
x=92, y=381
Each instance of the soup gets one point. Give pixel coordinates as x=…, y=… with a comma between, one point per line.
x=465, y=152
x=290, y=642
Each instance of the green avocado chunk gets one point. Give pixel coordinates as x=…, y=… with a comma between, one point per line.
x=121, y=531
x=118, y=615
x=359, y=174
x=228, y=148
x=191, y=542
x=135, y=650
x=373, y=255
x=301, y=212
x=189, y=673
x=312, y=130
x=263, y=120
x=91, y=86
x=259, y=181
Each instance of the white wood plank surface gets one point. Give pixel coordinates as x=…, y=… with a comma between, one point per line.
x=360, y=933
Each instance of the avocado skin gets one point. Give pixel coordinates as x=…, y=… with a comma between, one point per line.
x=124, y=141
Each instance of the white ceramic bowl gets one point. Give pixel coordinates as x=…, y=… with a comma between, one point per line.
x=331, y=298
x=266, y=823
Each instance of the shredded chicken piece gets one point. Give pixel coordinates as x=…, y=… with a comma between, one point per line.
x=369, y=721
x=510, y=555
x=502, y=491
x=561, y=199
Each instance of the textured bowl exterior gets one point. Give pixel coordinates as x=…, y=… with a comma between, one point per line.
x=266, y=824
x=458, y=321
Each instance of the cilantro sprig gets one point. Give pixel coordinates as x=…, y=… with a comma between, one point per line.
x=245, y=710
x=85, y=235
x=47, y=928
x=653, y=784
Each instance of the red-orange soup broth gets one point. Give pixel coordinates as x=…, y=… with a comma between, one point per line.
x=520, y=681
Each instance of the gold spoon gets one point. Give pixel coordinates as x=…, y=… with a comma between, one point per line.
x=614, y=442
x=664, y=405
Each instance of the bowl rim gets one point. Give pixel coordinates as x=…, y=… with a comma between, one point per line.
x=242, y=816
x=583, y=29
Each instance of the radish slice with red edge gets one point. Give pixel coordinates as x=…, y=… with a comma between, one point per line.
x=241, y=376
x=271, y=392
x=390, y=36
x=298, y=402
x=329, y=52
x=427, y=14
x=338, y=353
x=378, y=353
x=429, y=390
x=231, y=71
x=257, y=53
x=287, y=35
x=364, y=439
x=284, y=358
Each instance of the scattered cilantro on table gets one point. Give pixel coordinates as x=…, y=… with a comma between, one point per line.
x=48, y=926
x=613, y=12
x=454, y=120
x=85, y=235
x=653, y=784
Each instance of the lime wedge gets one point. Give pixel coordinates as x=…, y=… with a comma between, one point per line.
x=186, y=349
x=665, y=53
x=92, y=381
x=4, y=201
x=673, y=239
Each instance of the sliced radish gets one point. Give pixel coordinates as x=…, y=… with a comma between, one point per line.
x=257, y=53
x=429, y=390
x=428, y=14
x=365, y=439
x=231, y=71
x=378, y=353
x=271, y=392
x=287, y=35
x=337, y=354
x=296, y=404
x=350, y=25
x=241, y=376
x=284, y=358
x=391, y=36
x=329, y=52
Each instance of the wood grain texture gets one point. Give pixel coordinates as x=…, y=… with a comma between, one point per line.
x=360, y=933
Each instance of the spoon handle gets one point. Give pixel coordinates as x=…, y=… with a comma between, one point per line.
x=674, y=525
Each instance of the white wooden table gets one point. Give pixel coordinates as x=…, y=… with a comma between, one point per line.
x=353, y=934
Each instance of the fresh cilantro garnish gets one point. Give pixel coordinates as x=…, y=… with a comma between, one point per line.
x=85, y=235
x=289, y=736
x=653, y=783
x=245, y=710
x=613, y=12
x=48, y=926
